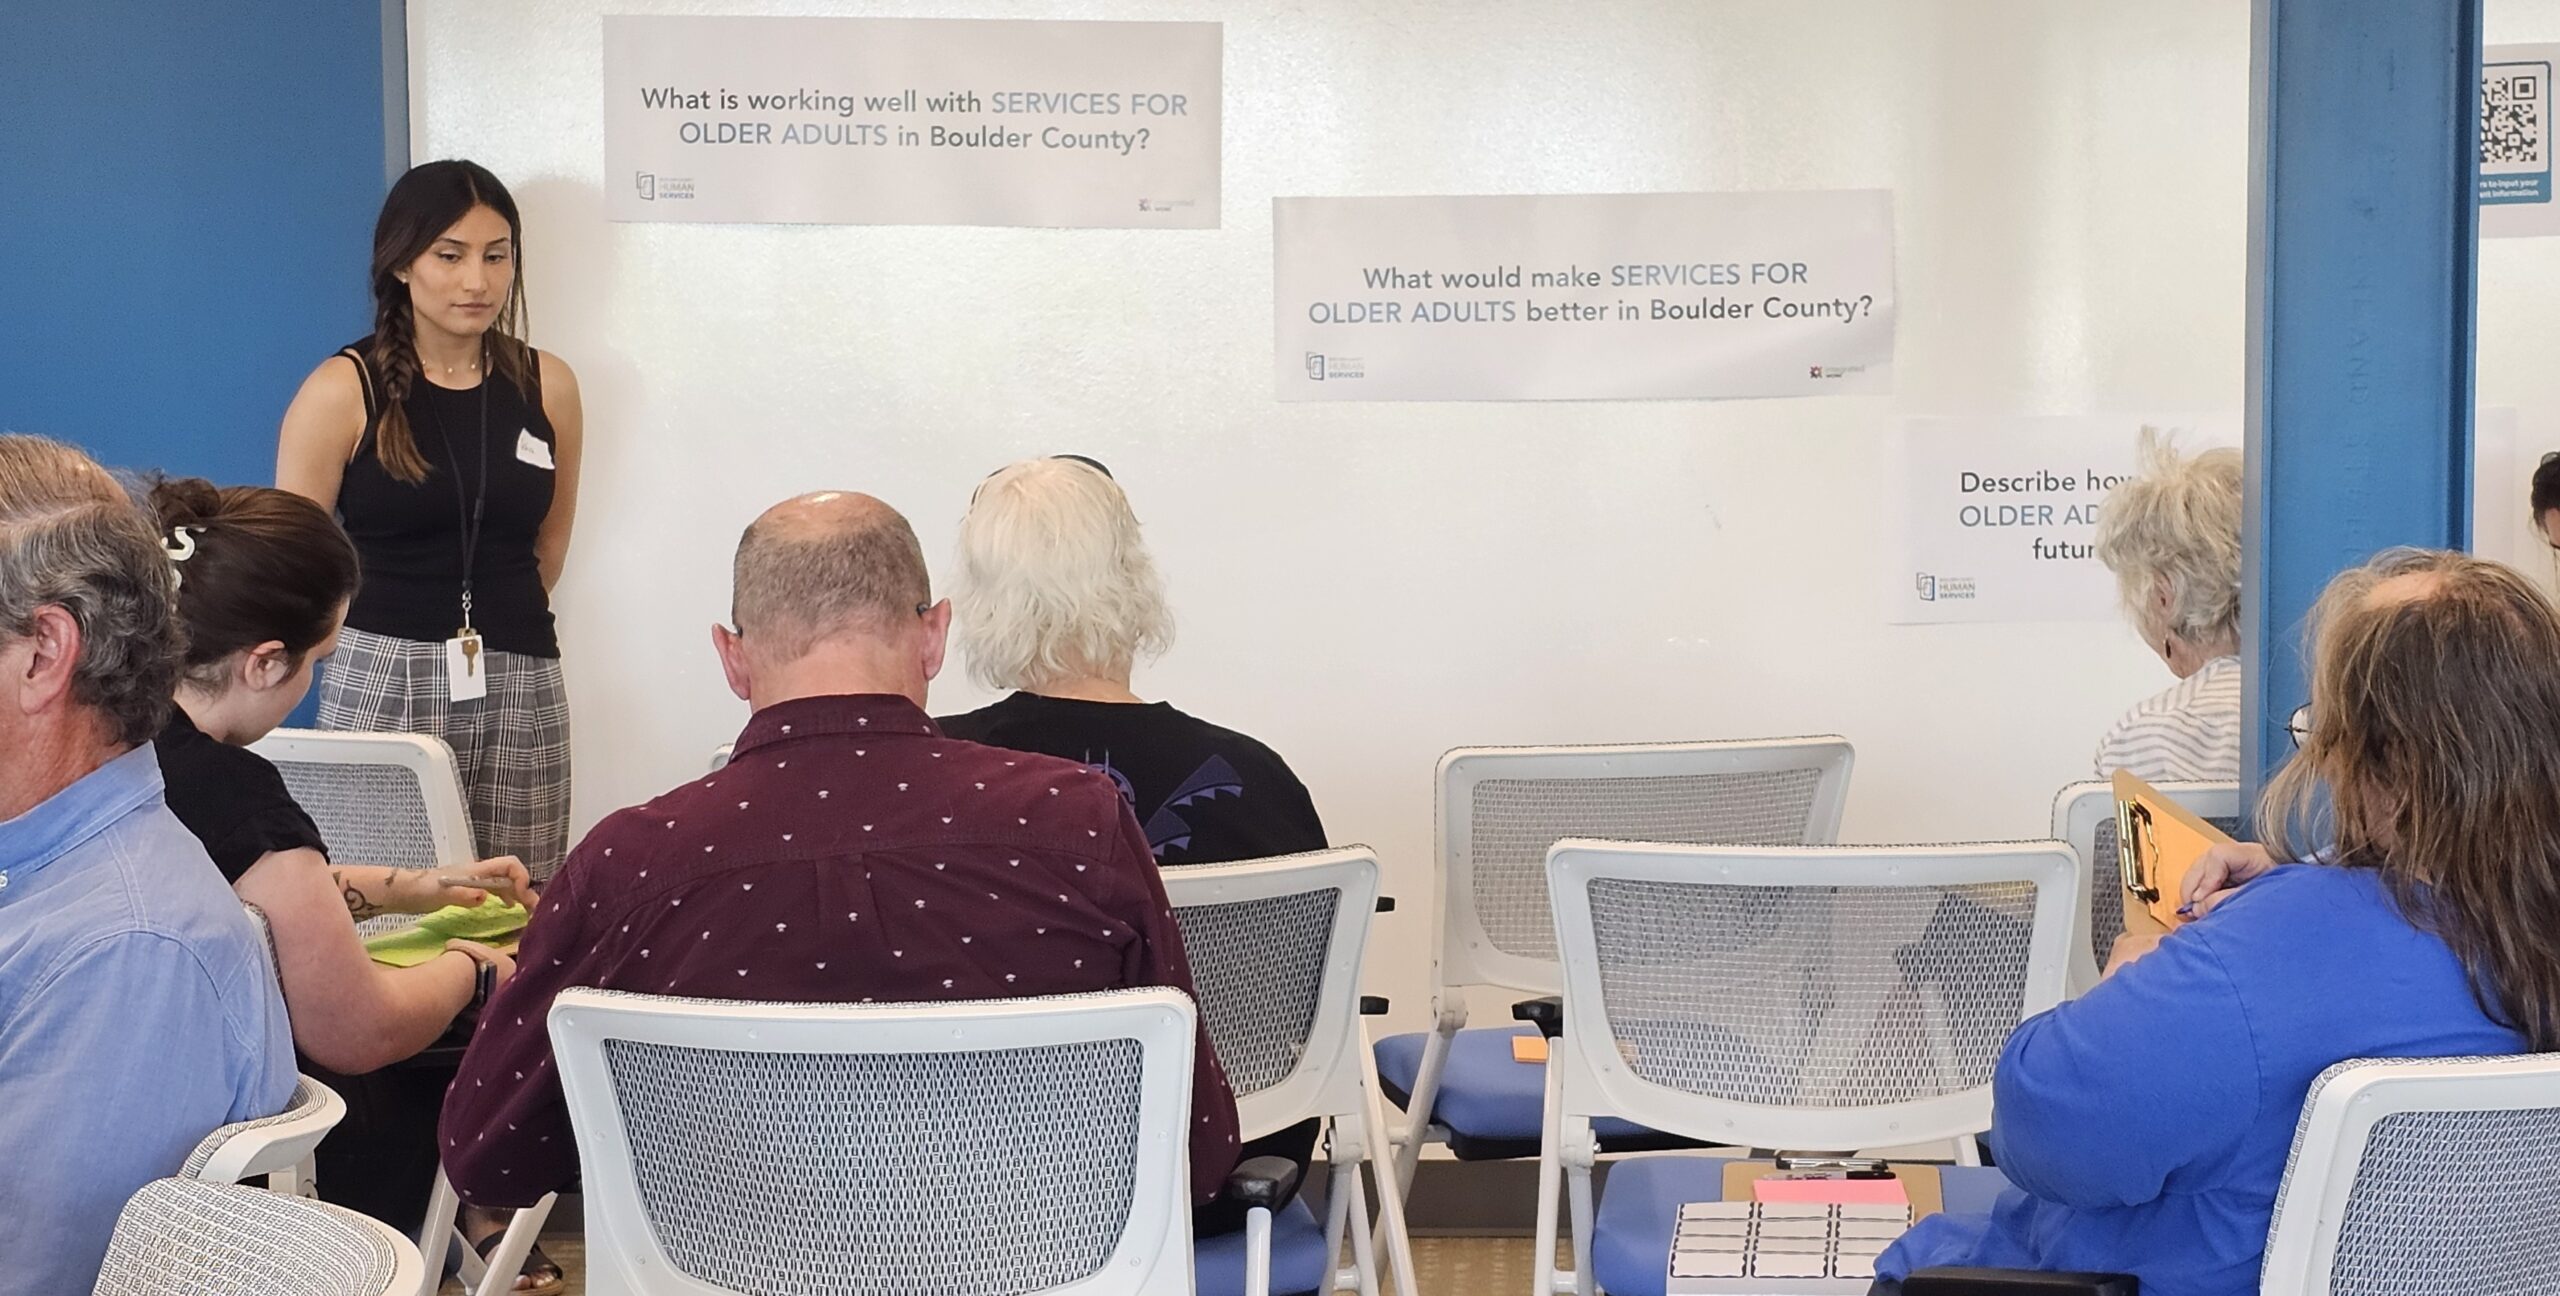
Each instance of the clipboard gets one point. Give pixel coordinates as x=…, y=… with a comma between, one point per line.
x=2158, y=842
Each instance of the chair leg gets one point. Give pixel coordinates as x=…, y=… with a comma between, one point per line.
x=1391, y=1215
x=1447, y=1021
x=507, y=1260
x=1337, y=1221
x=435, y=1234
x=1968, y=1150
x=1257, y=1252
x=1542, y=1258
x=1364, y=1250
x=1578, y=1187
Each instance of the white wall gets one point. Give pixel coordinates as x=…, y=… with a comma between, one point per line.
x=1364, y=586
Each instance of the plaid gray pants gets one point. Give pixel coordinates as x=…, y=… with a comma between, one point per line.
x=512, y=747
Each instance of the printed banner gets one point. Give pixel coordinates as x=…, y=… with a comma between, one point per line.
x=912, y=121
x=2515, y=142
x=1998, y=517
x=1584, y=297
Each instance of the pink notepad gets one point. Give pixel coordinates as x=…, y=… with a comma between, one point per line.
x=1831, y=1192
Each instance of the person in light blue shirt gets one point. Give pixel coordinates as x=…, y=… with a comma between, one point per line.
x=137, y=1011
x=2146, y=1125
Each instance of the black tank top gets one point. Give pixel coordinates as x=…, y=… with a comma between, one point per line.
x=410, y=536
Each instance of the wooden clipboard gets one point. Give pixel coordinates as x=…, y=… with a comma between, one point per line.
x=1919, y=1183
x=2158, y=842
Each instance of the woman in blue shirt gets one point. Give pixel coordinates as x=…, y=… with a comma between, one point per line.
x=2146, y=1124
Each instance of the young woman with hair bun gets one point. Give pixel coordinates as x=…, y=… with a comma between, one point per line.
x=449, y=448
x=263, y=582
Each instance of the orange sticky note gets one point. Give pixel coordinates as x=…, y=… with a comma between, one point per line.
x=1528, y=1048
x=1831, y=1192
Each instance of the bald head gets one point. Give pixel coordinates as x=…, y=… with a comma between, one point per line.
x=823, y=565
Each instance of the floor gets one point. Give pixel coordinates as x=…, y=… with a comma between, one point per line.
x=1445, y=1266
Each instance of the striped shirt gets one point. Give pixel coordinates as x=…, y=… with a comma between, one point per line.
x=2188, y=734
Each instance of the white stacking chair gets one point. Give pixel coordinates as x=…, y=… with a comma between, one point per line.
x=1500, y=808
x=378, y=798
x=186, y=1237
x=1275, y=947
x=2084, y=814
x=277, y=1148
x=720, y=756
x=2422, y=1178
x=1811, y=999
x=396, y=800
x=1001, y=1146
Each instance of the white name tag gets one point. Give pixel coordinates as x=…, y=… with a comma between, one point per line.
x=533, y=449
x=466, y=669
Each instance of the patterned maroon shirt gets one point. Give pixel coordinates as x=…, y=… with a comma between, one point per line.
x=848, y=853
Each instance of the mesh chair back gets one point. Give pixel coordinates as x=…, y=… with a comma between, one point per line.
x=2084, y=814
x=1002, y=1147
x=182, y=1237
x=1275, y=948
x=390, y=799
x=241, y=1149
x=1501, y=808
x=2423, y=1178
x=1816, y=998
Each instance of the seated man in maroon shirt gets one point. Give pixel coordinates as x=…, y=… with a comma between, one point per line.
x=848, y=853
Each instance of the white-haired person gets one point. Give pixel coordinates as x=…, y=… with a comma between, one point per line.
x=2172, y=537
x=1057, y=600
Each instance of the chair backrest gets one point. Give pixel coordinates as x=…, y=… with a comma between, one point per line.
x=379, y=798
x=185, y=1237
x=2084, y=814
x=1003, y=1146
x=2422, y=1178
x=1275, y=947
x=720, y=756
x=244, y=1149
x=1502, y=807
x=1820, y=998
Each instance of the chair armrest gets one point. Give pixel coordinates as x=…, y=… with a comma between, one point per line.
x=1268, y=1182
x=1546, y=1014
x=2017, y=1282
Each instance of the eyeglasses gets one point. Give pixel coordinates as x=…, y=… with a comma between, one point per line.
x=2299, y=725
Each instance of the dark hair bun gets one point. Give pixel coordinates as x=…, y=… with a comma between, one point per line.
x=183, y=501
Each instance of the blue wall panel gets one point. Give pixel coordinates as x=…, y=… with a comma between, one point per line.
x=2362, y=239
x=187, y=194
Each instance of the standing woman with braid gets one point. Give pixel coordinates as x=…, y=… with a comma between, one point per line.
x=449, y=449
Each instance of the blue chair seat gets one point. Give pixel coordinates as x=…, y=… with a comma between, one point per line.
x=1640, y=1209
x=1492, y=1103
x=1298, y=1261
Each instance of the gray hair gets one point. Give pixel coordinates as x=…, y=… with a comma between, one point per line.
x=1053, y=577
x=2177, y=525
x=822, y=564
x=71, y=538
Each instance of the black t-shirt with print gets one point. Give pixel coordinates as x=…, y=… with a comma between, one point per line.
x=1204, y=795
x=230, y=798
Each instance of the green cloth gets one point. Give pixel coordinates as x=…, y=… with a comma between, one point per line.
x=494, y=920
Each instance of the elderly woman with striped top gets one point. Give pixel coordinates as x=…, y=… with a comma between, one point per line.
x=2172, y=537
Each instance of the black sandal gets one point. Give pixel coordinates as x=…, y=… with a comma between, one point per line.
x=547, y=1278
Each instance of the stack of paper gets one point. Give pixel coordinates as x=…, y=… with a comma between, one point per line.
x=1723, y=1248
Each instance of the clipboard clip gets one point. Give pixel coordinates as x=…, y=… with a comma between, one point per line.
x=2129, y=841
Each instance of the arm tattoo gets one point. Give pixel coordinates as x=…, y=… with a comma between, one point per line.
x=358, y=907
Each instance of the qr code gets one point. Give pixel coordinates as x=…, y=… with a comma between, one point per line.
x=2512, y=132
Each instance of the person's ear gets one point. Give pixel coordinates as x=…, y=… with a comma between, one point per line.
x=265, y=666
x=732, y=651
x=937, y=637
x=42, y=664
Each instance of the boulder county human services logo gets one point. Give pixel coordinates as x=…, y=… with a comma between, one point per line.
x=654, y=187
x=1321, y=366
x=1950, y=589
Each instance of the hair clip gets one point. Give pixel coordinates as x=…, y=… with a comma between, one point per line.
x=180, y=546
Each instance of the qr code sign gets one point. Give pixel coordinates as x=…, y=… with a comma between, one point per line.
x=2514, y=131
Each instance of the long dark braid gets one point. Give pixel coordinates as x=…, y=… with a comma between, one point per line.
x=394, y=365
